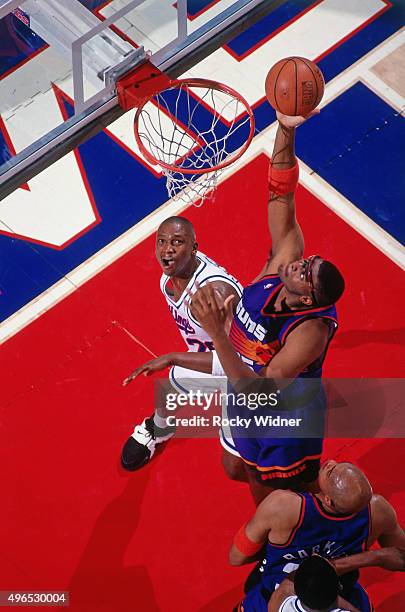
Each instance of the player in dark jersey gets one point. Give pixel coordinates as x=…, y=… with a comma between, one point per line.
x=282, y=326
x=315, y=589
x=315, y=584
x=344, y=518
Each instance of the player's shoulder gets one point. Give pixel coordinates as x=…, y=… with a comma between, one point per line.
x=316, y=329
x=382, y=514
x=207, y=260
x=209, y=267
x=283, y=503
x=383, y=518
x=163, y=281
x=210, y=271
x=379, y=506
x=282, y=496
x=315, y=321
x=378, y=501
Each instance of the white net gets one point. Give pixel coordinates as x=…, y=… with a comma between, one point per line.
x=194, y=129
x=193, y=189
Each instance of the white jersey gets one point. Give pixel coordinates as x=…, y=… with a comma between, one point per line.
x=292, y=604
x=208, y=271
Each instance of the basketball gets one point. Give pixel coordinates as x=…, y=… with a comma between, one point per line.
x=295, y=86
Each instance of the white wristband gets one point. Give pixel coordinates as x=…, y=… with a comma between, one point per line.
x=217, y=369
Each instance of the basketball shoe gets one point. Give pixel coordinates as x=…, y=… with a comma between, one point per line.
x=140, y=447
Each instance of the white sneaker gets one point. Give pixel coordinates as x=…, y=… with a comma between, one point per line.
x=140, y=446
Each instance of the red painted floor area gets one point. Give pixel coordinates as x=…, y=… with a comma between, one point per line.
x=157, y=540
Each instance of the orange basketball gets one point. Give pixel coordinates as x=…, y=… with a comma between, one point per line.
x=295, y=86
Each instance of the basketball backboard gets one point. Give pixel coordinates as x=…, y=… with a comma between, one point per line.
x=76, y=50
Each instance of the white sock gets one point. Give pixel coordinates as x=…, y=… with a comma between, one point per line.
x=159, y=421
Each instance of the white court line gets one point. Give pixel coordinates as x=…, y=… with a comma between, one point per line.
x=361, y=71
x=384, y=91
x=142, y=230
x=353, y=216
x=261, y=143
x=87, y=270
x=328, y=195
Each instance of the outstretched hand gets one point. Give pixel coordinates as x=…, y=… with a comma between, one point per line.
x=213, y=314
x=148, y=368
x=294, y=122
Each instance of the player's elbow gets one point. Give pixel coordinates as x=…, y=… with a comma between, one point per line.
x=235, y=562
x=394, y=538
x=235, y=558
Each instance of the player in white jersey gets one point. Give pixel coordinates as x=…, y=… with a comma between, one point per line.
x=195, y=337
x=293, y=604
x=183, y=267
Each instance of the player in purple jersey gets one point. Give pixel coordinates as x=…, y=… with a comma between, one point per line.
x=282, y=327
x=344, y=518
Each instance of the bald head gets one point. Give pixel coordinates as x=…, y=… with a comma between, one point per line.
x=345, y=487
x=176, y=247
x=181, y=223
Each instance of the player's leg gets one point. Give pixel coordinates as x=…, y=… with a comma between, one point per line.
x=248, y=449
x=258, y=491
x=279, y=464
x=243, y=444
x=141, y=445
x=290, y=463
x=232, y=463
x=234, y=467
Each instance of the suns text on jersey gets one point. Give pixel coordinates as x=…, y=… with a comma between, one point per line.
x=254, y=328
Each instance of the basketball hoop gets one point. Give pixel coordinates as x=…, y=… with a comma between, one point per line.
x=193, y=129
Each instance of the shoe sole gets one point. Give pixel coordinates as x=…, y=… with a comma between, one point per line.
x=130, y=468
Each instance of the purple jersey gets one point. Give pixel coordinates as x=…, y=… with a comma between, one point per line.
x=316, y=531
x=258, y=332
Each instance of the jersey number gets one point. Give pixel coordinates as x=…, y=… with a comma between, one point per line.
x=202, y=346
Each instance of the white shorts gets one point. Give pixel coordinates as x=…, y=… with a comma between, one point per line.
x=184, y=381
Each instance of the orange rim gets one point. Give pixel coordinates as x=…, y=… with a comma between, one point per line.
x=207, y=83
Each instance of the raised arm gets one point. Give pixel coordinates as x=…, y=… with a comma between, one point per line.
x=286, y=235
